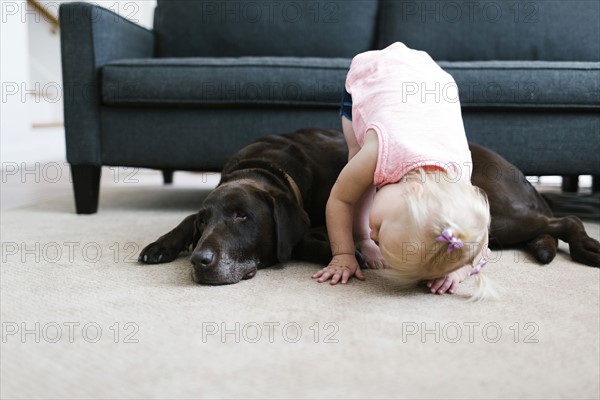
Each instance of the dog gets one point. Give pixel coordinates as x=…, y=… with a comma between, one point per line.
x=270, y=195
x=269, y=207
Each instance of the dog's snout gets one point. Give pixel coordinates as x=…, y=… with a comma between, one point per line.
x=203, y=258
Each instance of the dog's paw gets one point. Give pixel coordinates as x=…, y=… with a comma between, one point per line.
x=587, y=252
x=157, y=253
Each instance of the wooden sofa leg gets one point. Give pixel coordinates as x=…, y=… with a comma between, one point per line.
x=570, y=183
x=168, y=176
x=86, y=185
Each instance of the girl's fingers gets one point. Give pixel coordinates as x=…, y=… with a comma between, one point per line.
x=324, y=277
x=336, y=277
x=452, y=287
x=359, y=274
x=437, y=283
x=446, y=285
x=345, y=276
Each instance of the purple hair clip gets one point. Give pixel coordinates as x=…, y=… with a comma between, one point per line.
x=477, y=268
x=448, y=236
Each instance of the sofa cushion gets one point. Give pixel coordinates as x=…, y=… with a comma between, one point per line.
x=318, y=82
x=295, y=28
x=225, y=81
x=540, y=84
x=551, y=30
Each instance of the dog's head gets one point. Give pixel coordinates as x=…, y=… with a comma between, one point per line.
x=242, y=227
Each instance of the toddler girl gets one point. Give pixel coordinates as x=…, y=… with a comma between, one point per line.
x=405, y=196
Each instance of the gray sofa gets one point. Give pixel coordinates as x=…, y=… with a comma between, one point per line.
x=213, y=75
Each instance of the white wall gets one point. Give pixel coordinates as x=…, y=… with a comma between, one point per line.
x=45, y=72
x=31, y=73
x=14, y=68
x=44, y=54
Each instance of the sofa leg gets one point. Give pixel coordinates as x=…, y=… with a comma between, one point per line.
x=570, y=183
x=168, y=176
x=86, y=185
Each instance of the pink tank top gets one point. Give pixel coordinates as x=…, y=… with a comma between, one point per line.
x=413, y=106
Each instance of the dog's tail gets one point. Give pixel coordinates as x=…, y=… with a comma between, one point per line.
x=566, y=204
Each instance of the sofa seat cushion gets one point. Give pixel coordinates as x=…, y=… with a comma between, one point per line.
x=285, y=81
x=538, y=84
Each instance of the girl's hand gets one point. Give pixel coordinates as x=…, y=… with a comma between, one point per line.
x=449, y=282
x=342, y=267
x=371, y=254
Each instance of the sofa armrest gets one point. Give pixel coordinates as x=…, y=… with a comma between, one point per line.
x=91, y=36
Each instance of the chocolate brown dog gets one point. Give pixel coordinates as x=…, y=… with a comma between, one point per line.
x=273, y=191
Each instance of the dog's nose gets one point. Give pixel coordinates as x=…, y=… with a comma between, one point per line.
x=203, y=258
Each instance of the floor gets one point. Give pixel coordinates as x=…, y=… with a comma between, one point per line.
x=34, y=169
x=153, y=326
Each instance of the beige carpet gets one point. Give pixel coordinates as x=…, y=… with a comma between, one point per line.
x=279, y=335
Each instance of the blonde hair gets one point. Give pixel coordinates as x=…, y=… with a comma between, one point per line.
x=409, y=243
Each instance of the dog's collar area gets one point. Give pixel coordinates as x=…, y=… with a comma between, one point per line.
x=275, y=171
x=294, y=187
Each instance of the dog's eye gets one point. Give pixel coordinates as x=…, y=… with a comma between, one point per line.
x=239, y=216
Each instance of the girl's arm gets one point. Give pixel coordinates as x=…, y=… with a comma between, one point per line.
x=361, y=231
x=361, y=212
x=355, y=179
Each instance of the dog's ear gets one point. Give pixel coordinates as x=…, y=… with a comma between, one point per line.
x=198, y=229
x=291, y=223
